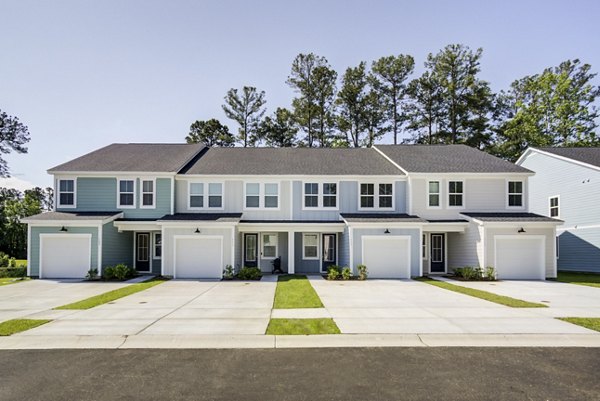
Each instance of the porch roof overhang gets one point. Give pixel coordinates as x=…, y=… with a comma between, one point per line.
x=291, y=225
x=456, y=226
x=72, y=219
x=510, y=219
x=136, y=225
x=382, y=220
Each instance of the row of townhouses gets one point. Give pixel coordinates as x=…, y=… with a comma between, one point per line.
x=188, y=211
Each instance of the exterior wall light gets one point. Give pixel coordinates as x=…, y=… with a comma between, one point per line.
x=63, y=229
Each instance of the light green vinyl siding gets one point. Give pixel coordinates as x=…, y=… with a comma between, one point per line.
x=34, y=245
x=116, y=247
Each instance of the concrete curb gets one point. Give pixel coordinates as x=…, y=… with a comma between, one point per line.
x=317, y=341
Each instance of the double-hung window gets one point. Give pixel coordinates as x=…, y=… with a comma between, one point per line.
x=310, y=246
x=269, y=246
x=147, y=193
x=66, y=193
x=320, y=195
x=455, y=194
x=515, y=194
x=262, y=196
x=206, y=195
x=126, y=196
x=157, y=245
x=376, y=196
x=434, y=194
x=554, y=207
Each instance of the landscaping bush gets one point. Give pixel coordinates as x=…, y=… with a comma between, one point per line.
x=475, y=273
x=470, y=273
x=459, y=272
x=333, y=272
x=249, y=273
x=346, y=273
x=124, y=272
x=108, y=273
x=363, y=272
x=92, y=274
x=13, y=272
x=228, y=273
x=7, y=261
x=490, y=274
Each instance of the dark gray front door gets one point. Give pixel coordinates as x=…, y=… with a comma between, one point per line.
x=329, y=251
x=250, y=250
x=142, y=252
x=438, y=252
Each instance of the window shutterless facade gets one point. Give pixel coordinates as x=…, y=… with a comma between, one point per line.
x=320, y=195
x=433, y=194
x=205, y=195
x=554, y=206
x=157, y=246
x=515, y=194
x=269, y=246
x=261, y=195
x=375, y=196
x=66, y=193
x=126, y=193
x=455, y=193
x=148, y=193
x=310, y=246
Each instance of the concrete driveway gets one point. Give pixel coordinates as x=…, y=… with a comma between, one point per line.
x=563, y=299
x=407, y=306
x=176, y=307
x=28, y=298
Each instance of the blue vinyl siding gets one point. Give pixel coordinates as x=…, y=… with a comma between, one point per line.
x=116, y=247
x=579, y=250
x=100, y=195
x=302, y=265
x=34, y=245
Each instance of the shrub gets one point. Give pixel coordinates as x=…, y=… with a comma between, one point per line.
x=123, y=272
x=490, y=273
x=459, y=272
x=249, y=273
x=470, y=273
x=363, y=272
x=333, y=272
x=108, y=273
x=4, y=260
x=228, y=273
x=346, y=273
x=92, y=274
x=13, y=272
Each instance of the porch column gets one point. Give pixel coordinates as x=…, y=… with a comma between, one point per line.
x=291, y=257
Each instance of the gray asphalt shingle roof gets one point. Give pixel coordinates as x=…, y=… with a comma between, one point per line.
x=584, y=155
x=511, y=217
x=71, y=216
x=139, y=157
x=292, y=161
x=447, y=159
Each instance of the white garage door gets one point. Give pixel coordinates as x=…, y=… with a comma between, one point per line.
x=65, y=255
x=520, y=257
x=387, y=256
x=198, y=257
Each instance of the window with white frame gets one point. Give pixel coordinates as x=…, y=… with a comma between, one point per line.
x=424, y=247
x=318, y=195
x=196, y=195
x=157, y=245
x=269, y=246
x=126, y=197
x=455, y=193
x=515, y=194
x=310, y=246
x=66, y=193
x=376, y=196
x=215, y=195
x=147, y=193
x=554, y=207
x=433, y=194
x=262, y=196
x=206, y=195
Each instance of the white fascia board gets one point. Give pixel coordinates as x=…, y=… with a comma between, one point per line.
x=296, y=227
x=110, y=174
x=446, y=227
x=391, y=224
x=276, y=177
x=67, y=223
x=197, y=223
x=563, y=158
x=136, y=226
x=530, y=224
x=472, y=175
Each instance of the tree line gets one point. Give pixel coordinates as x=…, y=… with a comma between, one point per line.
x=449, y=103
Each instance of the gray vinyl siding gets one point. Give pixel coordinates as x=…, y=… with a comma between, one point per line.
x=100, y=195
x=415, y=245
x=116, y=247
x=344, y=248
x=34, y=245
x=579, y=190
x=302, y=265
x=463, y=249
x=282, y=245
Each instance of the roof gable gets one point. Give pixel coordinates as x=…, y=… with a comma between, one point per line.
x=584, y=156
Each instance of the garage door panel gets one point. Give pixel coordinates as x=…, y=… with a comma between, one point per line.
x=65, y=256
x=198, y=257
x=520, y=258
x=387, y=257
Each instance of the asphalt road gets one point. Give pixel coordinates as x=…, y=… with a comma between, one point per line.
x=302, y=374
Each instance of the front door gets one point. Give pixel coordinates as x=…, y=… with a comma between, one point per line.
x=250, y=250
x=142, y=252
x=438, y=252
x=329, y=251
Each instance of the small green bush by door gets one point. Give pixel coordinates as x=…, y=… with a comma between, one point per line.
x=346, y=273
x=333, y=272
x=249, y=273
x=470, y=273
x=363, y=272
x=119, y=272
x=228, y=273
x=13, y=272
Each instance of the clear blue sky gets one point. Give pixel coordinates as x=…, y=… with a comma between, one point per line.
x=83, y=74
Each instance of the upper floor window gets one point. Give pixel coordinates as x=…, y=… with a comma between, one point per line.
x=379, y=196
x=455, y=193
x=433, y=194
x=320, y=195
x=126, y=196
x=554, y=207
x=515, y=194
x=66, y=193
x=147, y=193
x=206, y=195
x=264, y=195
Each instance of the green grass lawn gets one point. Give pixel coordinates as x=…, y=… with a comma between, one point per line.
x=12, y=280
x=295, y=292
x=302, y=327
x=488, y=296
x=11, y=327
x=21, y=262
x=592, y=323
x=112, y=295
x=589, y=279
